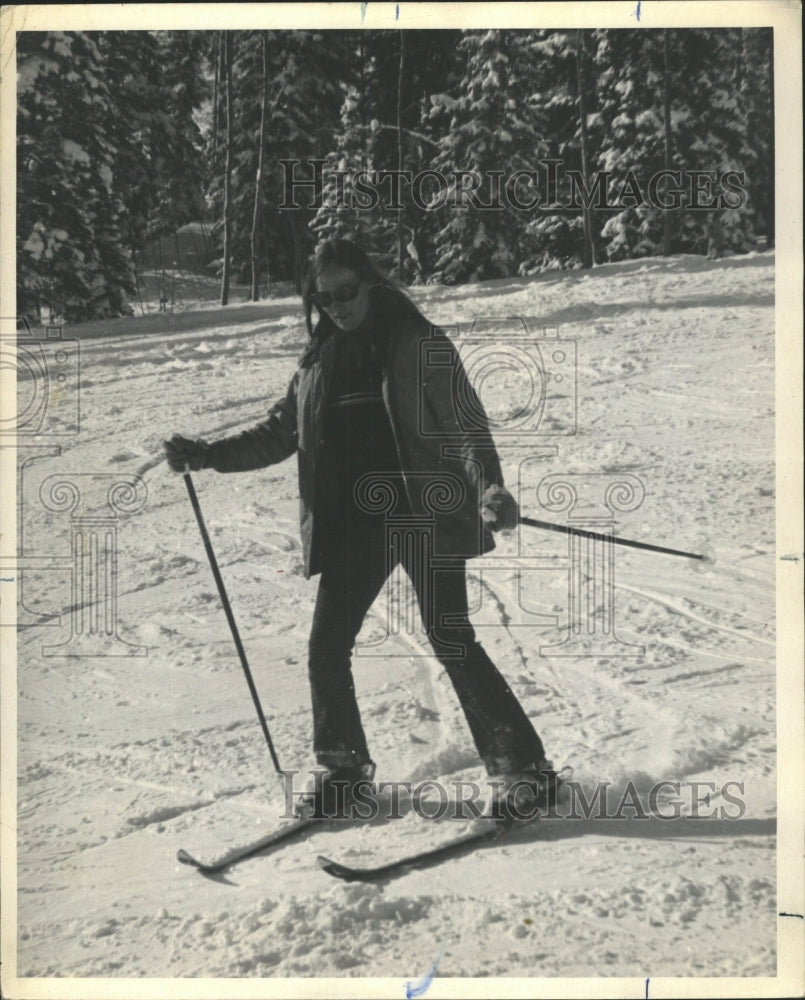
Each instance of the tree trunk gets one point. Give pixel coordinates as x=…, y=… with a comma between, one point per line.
x=666, y=111
x=225, y=271
x=216, y=86
x=400, y=158
x=587, y=251
x=298, y=263
x=258, y=183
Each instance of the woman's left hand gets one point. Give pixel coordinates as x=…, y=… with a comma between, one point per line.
x=499, y=509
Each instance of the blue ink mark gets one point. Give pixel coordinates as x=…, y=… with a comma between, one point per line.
x=638, y=18
x=363, y=11
x=421, y=988
x=637, y=11
x=397, y=12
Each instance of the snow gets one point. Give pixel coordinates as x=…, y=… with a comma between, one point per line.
x=75, y=152
x=123, y=759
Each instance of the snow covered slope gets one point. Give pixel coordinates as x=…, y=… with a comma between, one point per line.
x=122, y=759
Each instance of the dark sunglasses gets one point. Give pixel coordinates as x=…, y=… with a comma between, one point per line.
x=345, y=293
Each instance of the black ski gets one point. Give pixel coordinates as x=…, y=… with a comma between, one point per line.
x=422, y=859
x=236, y=854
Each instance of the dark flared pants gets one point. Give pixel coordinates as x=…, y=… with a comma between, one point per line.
x=356, y=564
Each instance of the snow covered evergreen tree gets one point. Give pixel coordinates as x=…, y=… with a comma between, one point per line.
x=695, y=74
x=430, y=67
x=488, y=123
x=304, y=99
x=116, y=142
x=180, y=194
x=301, y=104
x=713, y=136
x=71, y=217
x=756, y=86
x=633, y=139
x=109, y=157
x=135, y=126
x=557, y=231
x=360, y=147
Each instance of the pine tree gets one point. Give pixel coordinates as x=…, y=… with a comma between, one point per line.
x=299, y=104
x=588, y=241
x=71, y=252
x=756, y=86
x=361, y=147
x=671, y=99
x=180, y=194
x=634, y=90
x=304, y=101
x=431, y=67
x=488, y=124
x=556, y=229
x=714, y=138
x=385, y=80
x=135, y=125
x=119, y=135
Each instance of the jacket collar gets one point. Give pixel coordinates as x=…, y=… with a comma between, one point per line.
x=387, y=310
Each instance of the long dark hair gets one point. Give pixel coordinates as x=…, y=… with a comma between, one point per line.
x=346, y=253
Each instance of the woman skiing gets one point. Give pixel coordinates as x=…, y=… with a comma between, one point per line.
x=379, y=442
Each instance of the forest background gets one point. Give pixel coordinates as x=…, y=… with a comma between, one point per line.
x=143, y=153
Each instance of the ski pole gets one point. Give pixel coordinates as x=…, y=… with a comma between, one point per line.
x=567, y=530
x=230, y=617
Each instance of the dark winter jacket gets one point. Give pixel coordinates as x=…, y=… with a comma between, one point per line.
x=446, y=466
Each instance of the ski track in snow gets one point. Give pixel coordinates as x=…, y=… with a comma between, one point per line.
x=124, y=759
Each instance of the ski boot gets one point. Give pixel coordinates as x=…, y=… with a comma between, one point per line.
x=329, y=794
x=520, y=796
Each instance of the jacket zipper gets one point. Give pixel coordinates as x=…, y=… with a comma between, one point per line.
x=394, y=433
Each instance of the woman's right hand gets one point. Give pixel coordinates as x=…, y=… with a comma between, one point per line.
x=185, y=454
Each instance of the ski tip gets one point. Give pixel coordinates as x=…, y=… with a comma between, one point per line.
x=335, y=869
x=188, y=859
